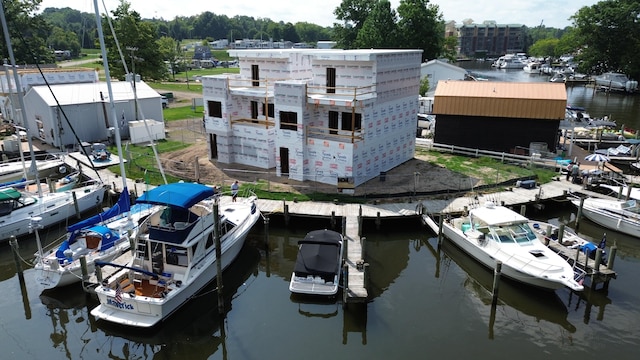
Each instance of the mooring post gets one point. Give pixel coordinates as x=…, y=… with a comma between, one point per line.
x=560, y=233
x=266, y=230
x=612, y=256
x=628, y=193
x=523, y=209
x=98, y=272
x=378, y=221
x=360, y=220
x=75, y=204
x=344, y=226
x=333, y=219
x=547, y=235
x=363, y=241
x=579, y=215
x=345, y=282
x=216, y=235
x=496, y=279
x=286, y=215
x=16, y=255
x=598, y=259
x=440, y=225
x=620, y=192
x=83, y=268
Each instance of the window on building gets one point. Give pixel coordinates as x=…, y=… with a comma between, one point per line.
x=254, y=111
x=333, y=122
x=214, y=108
x=255, y=75
x=348, y=121
x=288, y=120
x=331, y=80
x=270, y=109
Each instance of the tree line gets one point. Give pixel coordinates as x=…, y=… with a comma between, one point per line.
x=603, y=37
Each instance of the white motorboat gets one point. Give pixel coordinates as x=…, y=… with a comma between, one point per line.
x=102, y=237
x=618, y=215
x=493, y=233
x=532, y=67
x=15, y=170
x=175, y=255
x=318, y=264
x=17, y=207
x=616, y=82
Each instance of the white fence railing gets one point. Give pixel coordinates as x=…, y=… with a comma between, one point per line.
x=535, y=160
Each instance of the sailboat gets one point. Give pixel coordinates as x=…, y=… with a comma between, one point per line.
x=17, y=207
x=100, y=238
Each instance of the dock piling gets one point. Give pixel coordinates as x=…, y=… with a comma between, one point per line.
x=496, y=280
x=612, y=256
x=16, y=256
x=579, y=215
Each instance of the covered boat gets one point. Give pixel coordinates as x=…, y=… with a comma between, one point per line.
x=318, y=264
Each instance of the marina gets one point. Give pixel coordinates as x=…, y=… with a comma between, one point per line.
x=406, y=289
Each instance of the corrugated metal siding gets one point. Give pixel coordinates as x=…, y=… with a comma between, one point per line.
x=501, y=99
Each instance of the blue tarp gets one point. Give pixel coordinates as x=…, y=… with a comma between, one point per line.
x=183, y=195
x=107, y=241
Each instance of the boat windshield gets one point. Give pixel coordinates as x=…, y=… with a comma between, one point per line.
x=515, y=233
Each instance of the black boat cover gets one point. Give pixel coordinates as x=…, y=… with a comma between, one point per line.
x=319, y=254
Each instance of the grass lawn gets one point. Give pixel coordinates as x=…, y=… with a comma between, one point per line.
x=182, y=112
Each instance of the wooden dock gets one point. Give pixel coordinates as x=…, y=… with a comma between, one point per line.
x=355, y=289
x=92, y=281
x=593, y=271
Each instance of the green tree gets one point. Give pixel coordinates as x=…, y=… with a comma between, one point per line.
x=544, y=48
x=170, y=52
x=450, y=48
x=137, y=39
x=421, y=26
x=424, y=85
x=64, y=40
x=379, y=29
x=352, y=15
x=28, y=32
x=607, y=35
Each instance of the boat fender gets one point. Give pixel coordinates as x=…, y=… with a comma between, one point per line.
x=619, y=222
x=178, y=283
x=62, y=169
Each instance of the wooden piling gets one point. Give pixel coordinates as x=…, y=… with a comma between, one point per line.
x=598, y=259
x=496, y=279
x=83, y=268
x=378, y=221
x=75, y=204
x=612, y=256
x=440, y=225
x=579, y=215
x=345, y=284
x=333, y=219
x=266, y=230
x=286, y=214
x=523, y=209
x=216, y=235
x=16, y=255
x=360, y=220
x=560, y=233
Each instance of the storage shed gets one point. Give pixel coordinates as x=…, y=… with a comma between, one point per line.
x=87, y=106
x=498, y=116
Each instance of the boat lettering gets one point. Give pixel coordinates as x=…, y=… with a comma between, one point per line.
x=120, y=305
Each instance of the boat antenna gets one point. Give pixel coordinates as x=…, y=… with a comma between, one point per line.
x=107, y=74
x=16, y=79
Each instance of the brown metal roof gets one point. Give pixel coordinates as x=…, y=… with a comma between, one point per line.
x=537, y=100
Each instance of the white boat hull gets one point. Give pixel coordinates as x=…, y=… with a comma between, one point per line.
x=142, y=311
x=612, y=221
x=53, y=208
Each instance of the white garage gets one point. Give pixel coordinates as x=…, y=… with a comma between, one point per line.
x=68, y=114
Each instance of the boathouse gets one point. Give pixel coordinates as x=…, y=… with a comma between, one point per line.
x=499, y=116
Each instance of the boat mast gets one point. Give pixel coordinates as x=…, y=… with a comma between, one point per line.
x=107, y=74
x=16, y=79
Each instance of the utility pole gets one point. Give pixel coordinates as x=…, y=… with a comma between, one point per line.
x=133, y=49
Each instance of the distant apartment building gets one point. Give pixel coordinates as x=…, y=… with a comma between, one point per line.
x=490, y=39
x=339, y=117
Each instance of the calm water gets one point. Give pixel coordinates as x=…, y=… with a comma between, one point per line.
x=623, y=108
x=425, y=302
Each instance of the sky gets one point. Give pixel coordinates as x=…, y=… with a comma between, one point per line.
x=551, y=13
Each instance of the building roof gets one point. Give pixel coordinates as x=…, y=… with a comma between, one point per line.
x=437, y=63
x=541, y=100
x=88, y=93
x=319, y=54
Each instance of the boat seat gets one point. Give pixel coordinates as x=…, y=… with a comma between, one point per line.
x=126, y=286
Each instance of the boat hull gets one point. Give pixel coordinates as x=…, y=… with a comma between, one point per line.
x=474, y=249
x=612, y=221
x=53, y=208
x=144, y=312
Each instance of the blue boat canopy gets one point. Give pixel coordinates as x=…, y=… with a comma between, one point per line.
x=183, y=195
x=107, y=239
